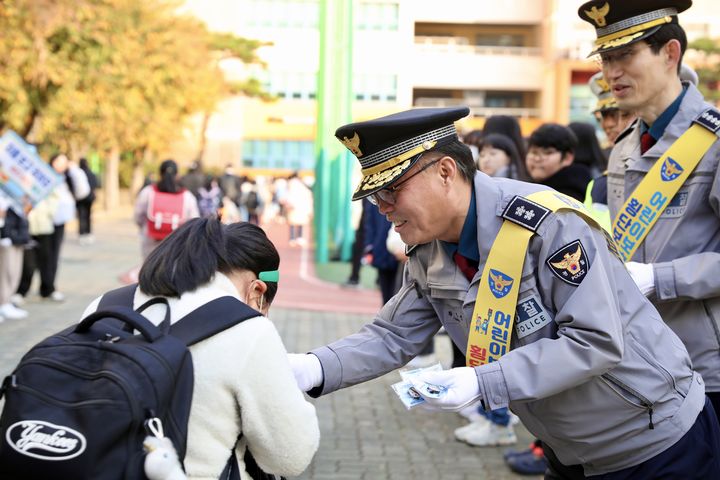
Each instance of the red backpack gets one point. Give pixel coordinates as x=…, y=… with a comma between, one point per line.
x=165, y=212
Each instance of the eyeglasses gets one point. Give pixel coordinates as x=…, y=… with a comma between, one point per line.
x=389, y=195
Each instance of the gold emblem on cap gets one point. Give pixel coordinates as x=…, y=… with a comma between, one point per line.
x=427, y=145
x=598, y=16
x=353, y=144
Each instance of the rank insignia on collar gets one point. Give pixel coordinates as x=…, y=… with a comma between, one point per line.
x=500, y=284
x=570, y=263
x=526, y=213
x=710, y=119
x=670, y=170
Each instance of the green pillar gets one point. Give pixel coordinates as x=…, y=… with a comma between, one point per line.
x=333, y=227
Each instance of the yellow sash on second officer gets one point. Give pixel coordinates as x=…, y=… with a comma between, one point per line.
x=494, y=313
x=647, y=202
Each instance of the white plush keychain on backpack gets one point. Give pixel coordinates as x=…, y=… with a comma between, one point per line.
x=161, y=459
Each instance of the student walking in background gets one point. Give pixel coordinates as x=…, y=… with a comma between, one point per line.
x=162, y=207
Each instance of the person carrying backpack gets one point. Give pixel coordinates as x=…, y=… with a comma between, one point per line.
x=162, y=207
x=209, y=197
x=243, y=399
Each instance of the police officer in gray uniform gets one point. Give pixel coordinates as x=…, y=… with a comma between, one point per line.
x=677, y=262
x=591, y=369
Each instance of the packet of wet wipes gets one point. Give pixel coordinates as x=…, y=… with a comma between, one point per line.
x=408, y=394
x=408, y=374
x=430, y=390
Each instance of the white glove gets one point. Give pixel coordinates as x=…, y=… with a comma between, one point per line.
x=5, y=242
x=307, y=370
x=462, y=388
x=643, y=274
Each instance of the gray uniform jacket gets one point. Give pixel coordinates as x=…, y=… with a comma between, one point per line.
x=684, y=244
x=592, y=365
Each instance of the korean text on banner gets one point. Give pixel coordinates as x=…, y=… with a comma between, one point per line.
x=23, y=174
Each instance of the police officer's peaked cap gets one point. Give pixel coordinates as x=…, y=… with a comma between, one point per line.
x=387, y=147
x=601, y=89
x=622, y=22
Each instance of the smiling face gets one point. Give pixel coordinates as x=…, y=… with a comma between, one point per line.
x=429, y=206
x=544, y=162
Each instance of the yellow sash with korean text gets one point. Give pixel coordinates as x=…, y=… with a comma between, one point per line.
x=649, y=199
x=494, y=313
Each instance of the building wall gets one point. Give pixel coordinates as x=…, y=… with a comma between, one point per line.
x=525, y=58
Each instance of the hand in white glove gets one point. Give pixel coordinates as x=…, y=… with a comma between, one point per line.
x=5, y=242
x=462, y=388
x=643, y=274
x=307, y=370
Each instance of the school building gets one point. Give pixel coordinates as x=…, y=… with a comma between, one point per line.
x=525, y=58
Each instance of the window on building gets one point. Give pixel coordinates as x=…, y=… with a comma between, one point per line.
x=377, y=16
x=289, y=85
x=286, y=154
x=504, y=99
x=499, y=40
x=281, y=13
x=375, y=88
x=582, y=102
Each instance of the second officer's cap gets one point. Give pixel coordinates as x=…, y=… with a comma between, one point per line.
x=623, y=22
x=387, y=147
x=600, y=88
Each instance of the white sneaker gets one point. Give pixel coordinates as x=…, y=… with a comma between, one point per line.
x=56, y=297
x=11, y=312
x=17, y=299
x=491, y=436
x=85, y=240
x=479, y=422
x=471, y=411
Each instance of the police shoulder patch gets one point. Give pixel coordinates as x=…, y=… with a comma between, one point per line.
x=525, y=213
x=570, y=263
x=710, y=119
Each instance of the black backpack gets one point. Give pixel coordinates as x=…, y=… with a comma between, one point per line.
x=79, y=403
x=252, y=202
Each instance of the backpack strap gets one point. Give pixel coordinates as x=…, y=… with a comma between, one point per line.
x=211, y=318
x=122, y=296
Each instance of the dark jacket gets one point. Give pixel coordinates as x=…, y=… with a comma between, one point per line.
x=376, y=232
x=571, y=180
x=16, y=228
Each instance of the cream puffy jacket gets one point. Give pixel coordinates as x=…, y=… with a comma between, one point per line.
x=243, y=384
